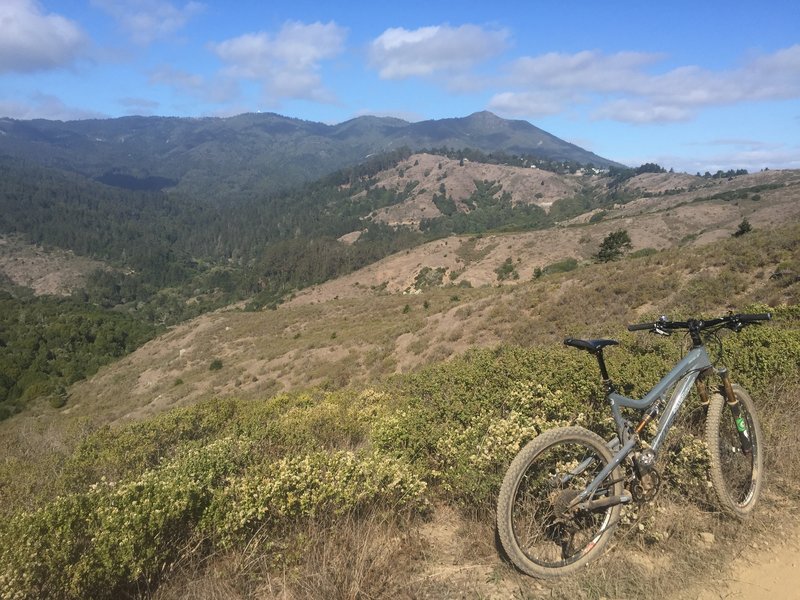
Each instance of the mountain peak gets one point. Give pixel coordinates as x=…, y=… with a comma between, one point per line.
x=485, y=115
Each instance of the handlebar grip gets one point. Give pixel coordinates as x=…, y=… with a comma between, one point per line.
x=755, y=317
x=641, y=327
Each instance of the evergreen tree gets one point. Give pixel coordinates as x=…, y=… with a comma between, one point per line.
x=614, y=246
x=744, y=227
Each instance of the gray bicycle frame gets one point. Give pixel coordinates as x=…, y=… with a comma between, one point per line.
x=681, y=377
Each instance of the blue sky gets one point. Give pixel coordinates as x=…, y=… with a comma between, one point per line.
x=693, y=86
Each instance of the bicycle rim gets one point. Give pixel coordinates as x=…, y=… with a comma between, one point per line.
x=547, y=533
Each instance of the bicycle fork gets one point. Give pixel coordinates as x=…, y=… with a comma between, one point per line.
x=726, y=390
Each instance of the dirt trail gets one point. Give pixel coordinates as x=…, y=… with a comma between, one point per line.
x=769, y=568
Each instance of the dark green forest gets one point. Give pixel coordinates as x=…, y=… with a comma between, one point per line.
x=49, y=343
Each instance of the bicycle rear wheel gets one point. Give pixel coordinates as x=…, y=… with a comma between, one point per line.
x=541, y=535
x=737, y=476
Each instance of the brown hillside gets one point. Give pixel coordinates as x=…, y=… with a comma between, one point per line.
x=526, y=185
x=658, y=222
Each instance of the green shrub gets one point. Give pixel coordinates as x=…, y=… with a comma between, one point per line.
x=507, y=270
x=428, y=277
x=57, y=400
x=598, y=216
x=452, y=415
x=562, y=266
x=117, y=536
x=314, y=485
x=121, y=536
x=643, y=252
x=614, y=245
x=215, y=365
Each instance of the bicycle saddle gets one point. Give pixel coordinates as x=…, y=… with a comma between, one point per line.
x=593, y=346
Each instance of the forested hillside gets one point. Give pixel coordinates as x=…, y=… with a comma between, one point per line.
x=250, y=155
x=47, y=344
x=168, y=248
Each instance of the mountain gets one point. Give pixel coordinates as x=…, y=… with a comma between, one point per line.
x=250, y=154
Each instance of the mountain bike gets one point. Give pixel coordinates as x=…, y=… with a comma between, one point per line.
x=563, y=494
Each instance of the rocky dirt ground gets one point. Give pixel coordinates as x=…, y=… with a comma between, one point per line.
x=766, y=569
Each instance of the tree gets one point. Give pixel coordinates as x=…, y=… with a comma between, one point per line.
x=744, y=227
x=614, y=246
x=650, y=168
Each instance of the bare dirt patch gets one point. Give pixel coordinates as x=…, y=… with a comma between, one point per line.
x=45, y=271
x=765, y=568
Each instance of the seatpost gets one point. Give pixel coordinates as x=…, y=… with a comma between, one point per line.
x=602, y=363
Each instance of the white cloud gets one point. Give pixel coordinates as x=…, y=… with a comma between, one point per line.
x=643, y=111
x=780, y=158
x=622, y=87
x=586, y=70
x=429, y=51
x=32, y=40
x=773, y=77
x=149, y=20
x=216, y=90
x=530, y=104
x=45, y=106
x=288, y=63
x=724, y=154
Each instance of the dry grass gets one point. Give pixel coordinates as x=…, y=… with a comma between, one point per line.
x=779, y=410
x=356, y=557
x=375, y=335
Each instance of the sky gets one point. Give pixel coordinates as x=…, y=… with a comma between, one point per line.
x=694, y=86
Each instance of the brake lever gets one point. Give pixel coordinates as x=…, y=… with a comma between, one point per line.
x=657, y=330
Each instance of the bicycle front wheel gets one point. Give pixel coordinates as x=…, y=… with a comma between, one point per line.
x=736, y=473
x=541, y=534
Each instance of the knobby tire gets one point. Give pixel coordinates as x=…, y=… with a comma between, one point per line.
x=538, y=536
x=736, y=477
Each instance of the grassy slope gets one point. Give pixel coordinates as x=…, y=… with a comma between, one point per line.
x=361, y=339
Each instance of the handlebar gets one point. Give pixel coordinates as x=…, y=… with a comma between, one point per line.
x=734, y=322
